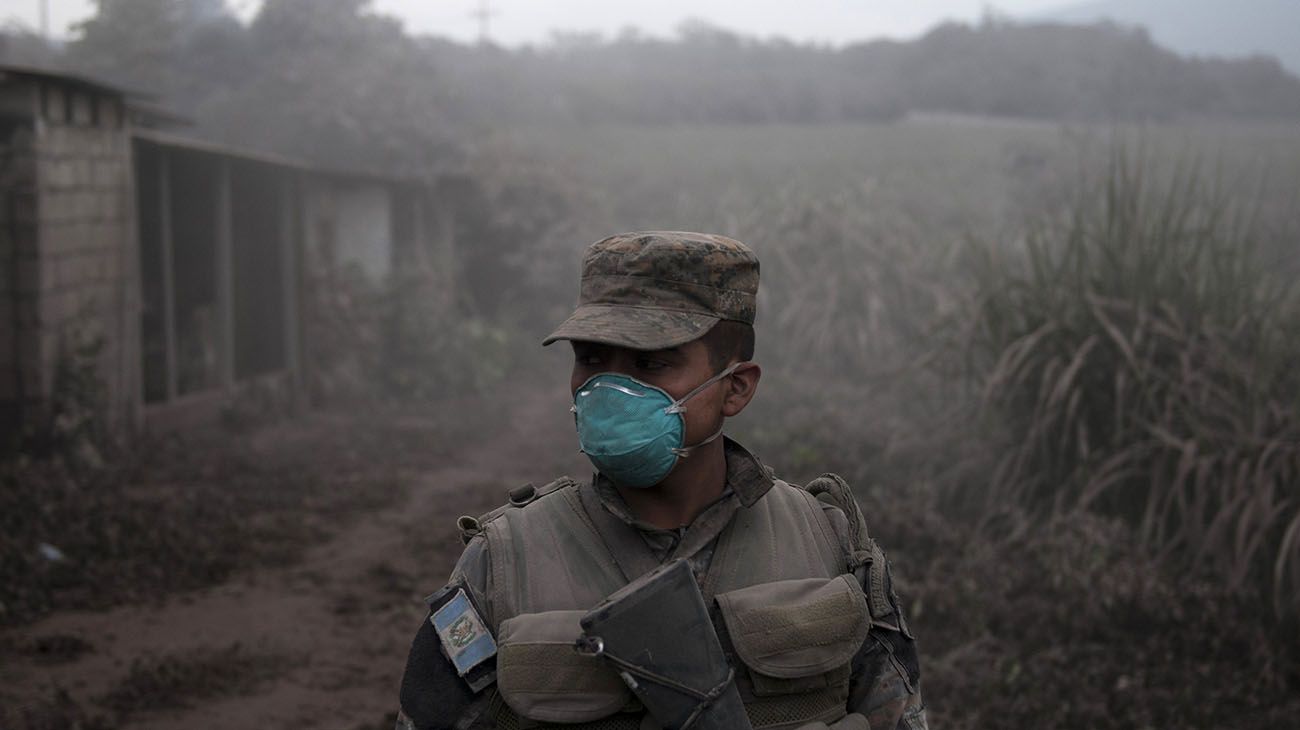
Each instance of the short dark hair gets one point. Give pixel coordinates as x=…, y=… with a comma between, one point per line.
x=727, y=340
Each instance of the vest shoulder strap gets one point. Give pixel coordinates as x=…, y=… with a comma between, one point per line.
x=784, y=535
x=867, y=557
x=517, y=498
x=546, y=555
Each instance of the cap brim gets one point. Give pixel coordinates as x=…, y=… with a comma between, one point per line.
x=640, y=328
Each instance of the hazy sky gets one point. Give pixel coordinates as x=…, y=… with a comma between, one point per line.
x=523, y=21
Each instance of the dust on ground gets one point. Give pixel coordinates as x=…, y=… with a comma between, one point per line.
x=274, y=578
x=311, y=631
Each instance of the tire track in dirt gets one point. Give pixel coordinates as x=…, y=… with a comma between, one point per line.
x=336, y=625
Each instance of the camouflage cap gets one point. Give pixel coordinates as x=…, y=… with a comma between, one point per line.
x=657, y=289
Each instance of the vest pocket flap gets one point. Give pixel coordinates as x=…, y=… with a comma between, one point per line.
x=541, y=677
x=797, y=628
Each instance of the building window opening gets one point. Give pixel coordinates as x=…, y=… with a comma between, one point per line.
x=194, y=202
x=153, y=317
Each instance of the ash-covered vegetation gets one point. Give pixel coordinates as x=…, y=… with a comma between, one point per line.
x=1056, y=358
x=333, y=81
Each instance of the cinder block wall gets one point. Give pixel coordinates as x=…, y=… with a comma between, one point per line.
x=75, y=281
x=89, y=265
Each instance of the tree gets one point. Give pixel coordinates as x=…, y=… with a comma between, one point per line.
x=176, y=49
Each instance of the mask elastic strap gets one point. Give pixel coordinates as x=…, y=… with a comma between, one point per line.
x=685, y=451
x=678, y=405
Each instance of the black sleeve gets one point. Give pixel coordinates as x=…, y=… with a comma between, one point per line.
x=433, y=696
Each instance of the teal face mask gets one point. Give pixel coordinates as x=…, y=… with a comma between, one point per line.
x=633, y=432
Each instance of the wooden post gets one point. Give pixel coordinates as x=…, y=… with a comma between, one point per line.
x=289, y=271
x=130, y=349
x=419, y=242
x=168, y=274
x=225, y=284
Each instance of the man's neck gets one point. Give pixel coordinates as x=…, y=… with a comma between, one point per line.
x=696, y=482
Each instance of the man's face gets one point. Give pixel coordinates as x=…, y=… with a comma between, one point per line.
x=677, y=370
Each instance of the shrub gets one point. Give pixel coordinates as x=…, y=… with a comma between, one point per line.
x=1135, y=358
x=431, y=349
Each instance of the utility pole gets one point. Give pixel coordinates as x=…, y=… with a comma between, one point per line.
x=483, y=15
x=45, y=19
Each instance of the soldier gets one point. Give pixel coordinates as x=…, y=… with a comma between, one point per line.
x=799, y=595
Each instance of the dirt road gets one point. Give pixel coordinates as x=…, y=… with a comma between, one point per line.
x=319, y=643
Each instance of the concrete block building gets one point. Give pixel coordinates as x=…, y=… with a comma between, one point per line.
x=171, y=269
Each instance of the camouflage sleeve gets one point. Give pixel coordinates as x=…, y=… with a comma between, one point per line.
x=886, y=680
x=433, y=696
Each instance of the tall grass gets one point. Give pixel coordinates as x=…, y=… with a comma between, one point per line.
x=1129, y=357
x=1138, y=359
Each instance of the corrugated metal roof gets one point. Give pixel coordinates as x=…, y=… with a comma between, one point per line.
x=216, y=148
x=71, y=78
x=154, y=113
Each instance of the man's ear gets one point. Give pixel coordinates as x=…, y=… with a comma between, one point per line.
x=741, y=386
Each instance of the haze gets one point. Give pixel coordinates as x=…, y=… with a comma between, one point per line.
x=516, y=22
x=272, y=294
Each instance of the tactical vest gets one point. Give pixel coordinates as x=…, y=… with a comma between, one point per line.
x=788, y=612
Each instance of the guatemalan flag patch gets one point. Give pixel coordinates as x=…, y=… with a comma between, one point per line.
x=463, y=634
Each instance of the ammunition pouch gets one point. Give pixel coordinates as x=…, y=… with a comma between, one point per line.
x=541, y=678
x=797, y=640
x=657, y=633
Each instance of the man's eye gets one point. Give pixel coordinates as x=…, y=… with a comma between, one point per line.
x=645, y=364
x=589, y=360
